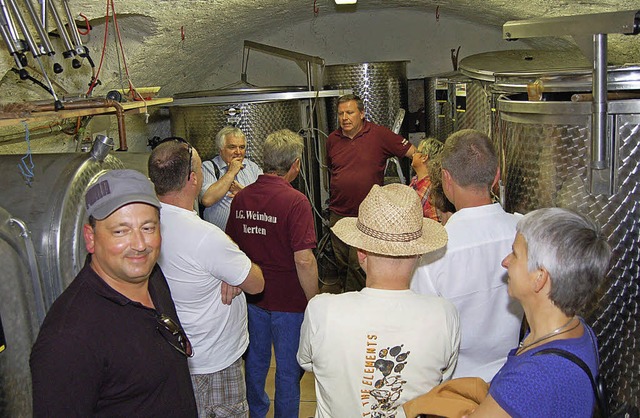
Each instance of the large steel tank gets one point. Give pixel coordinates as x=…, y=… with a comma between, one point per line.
x=18, y=316
x=257, y=111
x=546, y=148
x=42, y=249
x=476, y=94
x=198, y=116
x=445, y=99
x=52, y=206
x=382, y=86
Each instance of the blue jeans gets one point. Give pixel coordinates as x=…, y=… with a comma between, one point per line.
x=351, y=275
x=283, y=330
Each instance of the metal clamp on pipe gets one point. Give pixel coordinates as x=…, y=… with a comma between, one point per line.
x=601, y=170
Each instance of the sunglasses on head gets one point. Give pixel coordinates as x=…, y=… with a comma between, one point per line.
x=168, y=324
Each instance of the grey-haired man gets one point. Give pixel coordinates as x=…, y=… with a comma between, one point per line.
x=225, y=175
x=111, y=344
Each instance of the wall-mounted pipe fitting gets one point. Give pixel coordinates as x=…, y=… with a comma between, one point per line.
x=101, y=147
x=91, y=104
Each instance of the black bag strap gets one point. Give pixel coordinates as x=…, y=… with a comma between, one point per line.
x=216, y=170
x=598, y=388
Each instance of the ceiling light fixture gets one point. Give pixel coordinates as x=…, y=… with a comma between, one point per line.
x=341, y=2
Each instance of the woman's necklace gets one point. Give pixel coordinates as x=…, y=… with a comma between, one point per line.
x=557, y=331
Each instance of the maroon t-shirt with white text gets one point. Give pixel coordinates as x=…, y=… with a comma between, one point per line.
x=270, y=221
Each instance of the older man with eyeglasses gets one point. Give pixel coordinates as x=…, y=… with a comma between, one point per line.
x=205, y=271
x=225, y=175
x=111, y=344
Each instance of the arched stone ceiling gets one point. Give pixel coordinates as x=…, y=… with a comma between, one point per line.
x=214, y=31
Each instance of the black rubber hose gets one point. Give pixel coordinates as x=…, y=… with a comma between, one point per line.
x=35, y=80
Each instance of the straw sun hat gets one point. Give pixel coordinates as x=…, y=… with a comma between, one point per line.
x=390, y=222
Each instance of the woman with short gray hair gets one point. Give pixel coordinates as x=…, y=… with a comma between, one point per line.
x=558, y=261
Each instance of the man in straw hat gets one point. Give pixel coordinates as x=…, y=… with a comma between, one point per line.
x=375, y=349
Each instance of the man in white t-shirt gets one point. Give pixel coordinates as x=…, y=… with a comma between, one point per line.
x=469, y=272
x=373, y=350
x=206, y=272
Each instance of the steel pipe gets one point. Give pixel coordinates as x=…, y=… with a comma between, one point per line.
x=35, y=49
x=32, y=261
x=7, y=21
x=599, y=155
x=92, y=104
x=63, y=31
x=6, y=35
x=47, y=47
x=73, y=28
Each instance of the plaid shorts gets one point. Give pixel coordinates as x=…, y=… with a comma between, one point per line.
x=221, y=394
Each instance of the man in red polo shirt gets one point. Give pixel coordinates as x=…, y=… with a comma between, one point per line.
x=357, y=155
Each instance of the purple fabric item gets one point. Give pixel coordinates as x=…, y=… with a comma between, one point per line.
x=548, y=385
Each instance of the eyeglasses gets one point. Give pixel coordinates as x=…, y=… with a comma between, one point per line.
x=182, y=141
x=176, y=331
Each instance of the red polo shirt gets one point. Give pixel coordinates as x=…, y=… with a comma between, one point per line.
x=357, y=164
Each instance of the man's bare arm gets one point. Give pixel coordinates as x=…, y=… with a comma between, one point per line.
x=410, y=151
x=307, y=269
x=229, y=292
x=254, y=283
x=220, y=188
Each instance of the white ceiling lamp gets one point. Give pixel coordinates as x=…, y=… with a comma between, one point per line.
x=341, y=2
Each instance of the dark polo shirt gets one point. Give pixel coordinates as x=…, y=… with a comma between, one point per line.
x=99, y=354
x=357, y=164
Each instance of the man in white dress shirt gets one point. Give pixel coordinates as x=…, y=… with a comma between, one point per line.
x=468, y=272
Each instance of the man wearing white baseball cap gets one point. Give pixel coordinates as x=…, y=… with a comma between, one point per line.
x=375, y=349
x=111, y=344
